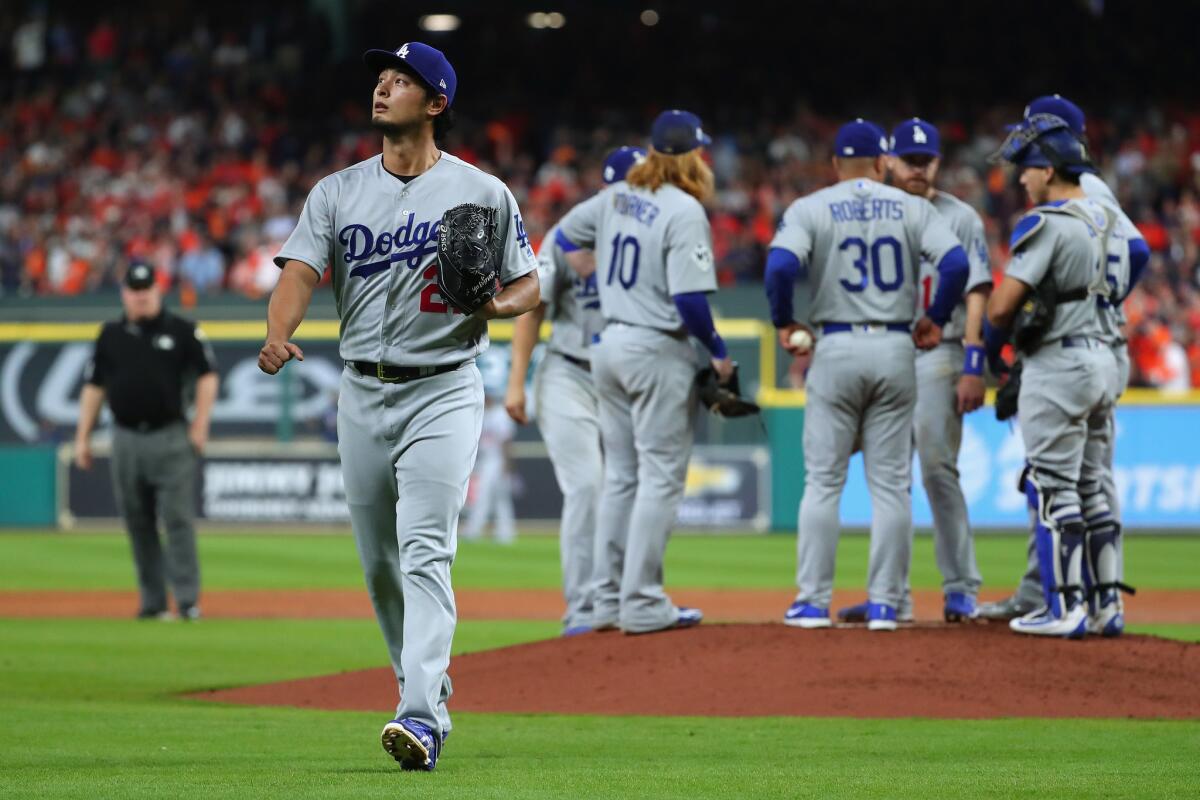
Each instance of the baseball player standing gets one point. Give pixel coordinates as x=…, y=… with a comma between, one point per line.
x=565, y=399
x=1123, y=272
x=654, y=268
x=949, y=377
x=411, y=400
x=859, y=242
x=1068, y=382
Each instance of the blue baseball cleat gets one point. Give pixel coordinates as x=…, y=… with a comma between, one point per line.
x=576, y=630
x=959, y=607
x=1043, y=622
x=413, y=744
x=803, y=615
x=689, y=617
x=855, y=613
x=881, y=617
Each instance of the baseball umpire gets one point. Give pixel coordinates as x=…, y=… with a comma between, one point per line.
x=949, y=377
x=653, y=270
x=418, y=242
x=1122, y=274
x=143, y=365
x=858, y=243
x=1047, y=303
x=566, y=404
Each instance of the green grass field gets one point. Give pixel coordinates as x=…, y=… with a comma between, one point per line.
x=92, y=709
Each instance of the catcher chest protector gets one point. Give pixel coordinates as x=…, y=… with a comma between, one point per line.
x=1036, y=315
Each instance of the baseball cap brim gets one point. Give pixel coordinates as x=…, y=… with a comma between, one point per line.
x=917, y=150
x=379, y=60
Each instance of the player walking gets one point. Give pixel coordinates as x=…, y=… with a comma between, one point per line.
x=1068, y=382
x=566, y=403
x=949, y=377
x=1123, y=272
x=653, y=268
x=859, y=242
x=411, y=397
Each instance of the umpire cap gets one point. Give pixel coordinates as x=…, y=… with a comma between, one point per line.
x=139, y=276
x=429, y=64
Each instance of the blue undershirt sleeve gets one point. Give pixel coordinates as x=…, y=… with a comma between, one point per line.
x=953, y=271
x=697, y=318
x=783, y=270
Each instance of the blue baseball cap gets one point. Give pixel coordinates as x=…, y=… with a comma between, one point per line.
x=916, y=137
x=1060, y=107
x=619, y=161
x=429, y=64
x=677, y=132
x=860, y=139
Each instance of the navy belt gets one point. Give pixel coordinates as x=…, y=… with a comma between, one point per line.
x=864, y=327
x=1080, y=341
x=392, y=374
x=582, y=363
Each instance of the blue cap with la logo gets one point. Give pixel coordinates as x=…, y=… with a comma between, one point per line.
x=860, y=139
x=916, y=137
x=427, y=63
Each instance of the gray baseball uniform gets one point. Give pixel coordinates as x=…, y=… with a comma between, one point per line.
x=1029, y=591
x=407, y=448
x=862, y=241
x=938, y=425
x=568, y=417
x=1068, y=384
x=649, y=247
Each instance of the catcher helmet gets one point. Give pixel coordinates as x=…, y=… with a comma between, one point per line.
x=1045, y=140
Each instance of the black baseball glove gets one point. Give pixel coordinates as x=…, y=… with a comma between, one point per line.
x=468, y=262
x=723, y=399
x=1008, y=394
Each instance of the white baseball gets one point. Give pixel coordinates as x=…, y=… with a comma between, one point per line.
x=801, y=339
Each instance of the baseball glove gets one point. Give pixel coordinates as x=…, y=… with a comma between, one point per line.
x=723, y=399
x=1007, y=395
x=468, y=263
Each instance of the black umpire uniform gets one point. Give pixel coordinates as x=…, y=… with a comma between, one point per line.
x=144, y=367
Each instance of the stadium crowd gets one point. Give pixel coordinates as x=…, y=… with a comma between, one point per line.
x=192, y=148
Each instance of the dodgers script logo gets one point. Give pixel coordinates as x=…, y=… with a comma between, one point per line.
x=408, y=244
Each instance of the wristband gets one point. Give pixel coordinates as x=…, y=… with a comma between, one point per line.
x=973, y=362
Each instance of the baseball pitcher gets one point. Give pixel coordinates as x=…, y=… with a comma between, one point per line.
x=418, y=242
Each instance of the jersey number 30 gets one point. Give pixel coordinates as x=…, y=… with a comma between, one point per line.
x=878, y=262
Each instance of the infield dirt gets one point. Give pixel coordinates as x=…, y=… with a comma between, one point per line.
x=971, y=671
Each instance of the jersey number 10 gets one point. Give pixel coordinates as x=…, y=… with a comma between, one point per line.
x=875, y=249
x=623, y=263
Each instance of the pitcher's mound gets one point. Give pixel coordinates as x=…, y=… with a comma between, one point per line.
x=970, y=671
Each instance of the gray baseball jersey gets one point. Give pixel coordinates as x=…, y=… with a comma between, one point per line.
x=649, y=246
x=968, y=227
x=380, y=235
x=1067, y=236
x=861, y=240
x=407, y=448
x=572, y=303
x=1118, y=257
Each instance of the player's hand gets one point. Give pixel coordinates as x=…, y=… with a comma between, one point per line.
x=785, y=339
x=83, y=454
x=724, y=368
x=514, y=404
x=198, y=436
x=970, y=392
x=274, y=355
x=927, y=334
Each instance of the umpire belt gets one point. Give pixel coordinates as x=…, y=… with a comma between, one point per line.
x=864, y=327
x=392, y=374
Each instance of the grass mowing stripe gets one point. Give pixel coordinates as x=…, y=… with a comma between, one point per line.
x=260, y=561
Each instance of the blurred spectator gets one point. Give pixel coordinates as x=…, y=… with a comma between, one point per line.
x=202, y=265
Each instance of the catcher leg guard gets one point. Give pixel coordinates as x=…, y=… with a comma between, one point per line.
x=1059, y=532
x=1101, y=576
